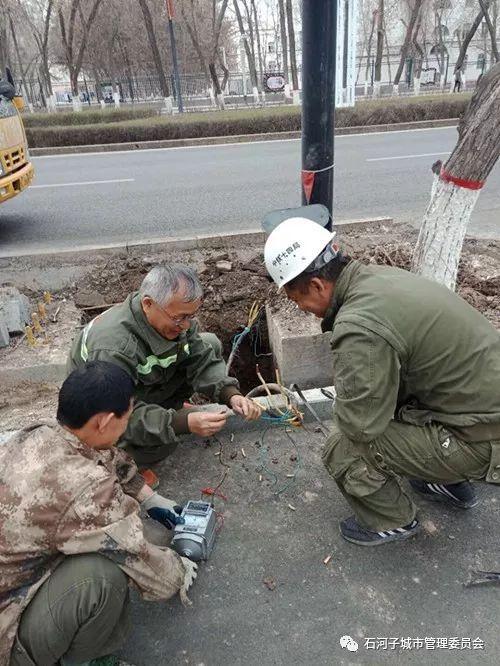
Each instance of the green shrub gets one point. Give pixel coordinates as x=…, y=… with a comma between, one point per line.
x=87, y=117
x=248, y=121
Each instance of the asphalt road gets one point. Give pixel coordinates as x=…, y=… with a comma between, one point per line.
x=81, y=200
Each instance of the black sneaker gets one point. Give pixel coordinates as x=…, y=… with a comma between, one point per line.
x=461, y=495
x=352, y=531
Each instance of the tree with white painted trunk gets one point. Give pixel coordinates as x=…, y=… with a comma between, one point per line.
x=457, y=184
x=248, y=51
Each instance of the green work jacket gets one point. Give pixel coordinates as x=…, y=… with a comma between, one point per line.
x=408, y=348
x=162, y=369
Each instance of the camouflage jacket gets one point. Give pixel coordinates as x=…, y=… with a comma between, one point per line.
x=59, y=497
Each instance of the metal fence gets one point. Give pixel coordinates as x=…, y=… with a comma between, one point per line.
x=417, y=78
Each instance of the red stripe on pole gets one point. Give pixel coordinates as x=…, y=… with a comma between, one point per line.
x=170, y=9
x=308, y=183
x=461, y=182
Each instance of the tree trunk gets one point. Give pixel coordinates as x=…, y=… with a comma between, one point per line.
x=148, y=21
x=380, y=44
x=250, y=59
x=494, y=48
x=291, y=42
x=284, y=44
x=216, y=85
x=369, y=47
x=408, y=39
x=388, y=53
x=468, y=38
x=457, y=184
x=22, y=71
x=257, y=37
x=419, y=57
x=193, y=35
x=45, y=47
x=225, y=73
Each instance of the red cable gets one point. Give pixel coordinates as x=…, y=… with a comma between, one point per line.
x=214, y=493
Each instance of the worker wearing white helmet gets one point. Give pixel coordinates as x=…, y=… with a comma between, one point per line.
x=417, y=377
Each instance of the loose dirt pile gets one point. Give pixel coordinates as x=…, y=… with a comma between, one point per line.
x=233, y=280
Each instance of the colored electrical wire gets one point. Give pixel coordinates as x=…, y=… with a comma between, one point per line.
x=253, y=316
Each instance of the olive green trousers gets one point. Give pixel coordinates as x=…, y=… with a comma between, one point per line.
x=78, y=614
x=368, y=475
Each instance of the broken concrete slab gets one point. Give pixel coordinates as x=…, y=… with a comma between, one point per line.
x=47, y=361
x=302, y=352
x=14, y=309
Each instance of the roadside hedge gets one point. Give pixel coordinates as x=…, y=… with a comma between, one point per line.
x=251, y=121
x=90, y=117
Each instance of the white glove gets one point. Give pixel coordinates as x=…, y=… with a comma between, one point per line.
x=156, y=500
x=189, y=578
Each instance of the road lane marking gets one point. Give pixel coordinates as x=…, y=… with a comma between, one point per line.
x=231, y=145
x=405, y=157
x=84, y=182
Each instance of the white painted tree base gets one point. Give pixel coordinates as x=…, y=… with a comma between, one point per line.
x=442, y=233
x=168, y=108
x=221, y=102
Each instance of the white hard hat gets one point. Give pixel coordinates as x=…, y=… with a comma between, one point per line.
x=293, y=246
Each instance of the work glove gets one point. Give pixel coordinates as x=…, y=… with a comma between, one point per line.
x=165, y=511
x=189, y=578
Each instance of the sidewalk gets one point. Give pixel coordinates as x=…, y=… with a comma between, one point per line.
x=409, y=590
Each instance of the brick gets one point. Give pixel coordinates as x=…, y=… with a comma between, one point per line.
x=15, y=309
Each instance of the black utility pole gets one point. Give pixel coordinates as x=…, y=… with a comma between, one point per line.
x=170, y=12
x=319, y=41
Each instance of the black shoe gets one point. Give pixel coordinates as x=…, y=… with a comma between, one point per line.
x=352, y=531
x=461, y=495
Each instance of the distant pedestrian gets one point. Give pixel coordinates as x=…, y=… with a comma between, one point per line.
x=458, y=79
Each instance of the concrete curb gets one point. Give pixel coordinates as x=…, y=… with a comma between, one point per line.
x=320, y=403
x=237, y=138
x=224, y=241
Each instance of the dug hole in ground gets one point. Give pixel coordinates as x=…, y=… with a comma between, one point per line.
x=266, y=595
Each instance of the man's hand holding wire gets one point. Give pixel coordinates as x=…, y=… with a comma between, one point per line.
x=246, y=408
x=206, y=424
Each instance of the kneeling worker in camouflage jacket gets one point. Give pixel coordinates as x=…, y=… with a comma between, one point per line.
x=71, y=538
x=417, y=376
x=154, y=337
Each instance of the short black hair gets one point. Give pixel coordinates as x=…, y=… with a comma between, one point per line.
x=93, y=388
x=330, y=272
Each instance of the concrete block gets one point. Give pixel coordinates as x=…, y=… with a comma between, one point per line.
x=301, y=350
x=14, y=308
x=4, y=333
x=47, y=361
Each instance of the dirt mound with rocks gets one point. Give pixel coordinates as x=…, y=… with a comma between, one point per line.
x=233, y=280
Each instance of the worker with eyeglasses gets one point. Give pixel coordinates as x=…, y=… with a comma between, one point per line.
x=155, y=337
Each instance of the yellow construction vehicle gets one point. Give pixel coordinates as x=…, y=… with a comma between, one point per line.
x=16, y=170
